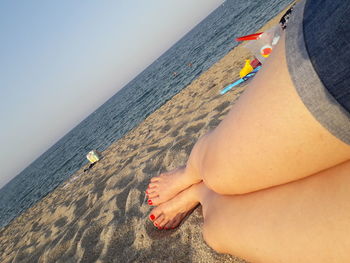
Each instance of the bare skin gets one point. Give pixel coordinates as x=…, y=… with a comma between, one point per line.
x=266, y=135
x=303, y=221
x=167, y=185
x=170, y=214
x=272, y=181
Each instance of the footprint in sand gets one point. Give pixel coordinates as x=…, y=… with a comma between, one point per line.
x=195, y=128
x=60, y=222
x=200, y=117
x=222, y=106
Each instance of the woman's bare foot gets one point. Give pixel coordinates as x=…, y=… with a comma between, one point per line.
x=170, y=214
x=167, y=185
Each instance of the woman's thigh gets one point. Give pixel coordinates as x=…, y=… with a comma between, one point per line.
x=269, y=137
x=304, y=221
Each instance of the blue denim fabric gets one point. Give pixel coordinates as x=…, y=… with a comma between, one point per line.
x=327, y=39
x=318, y=57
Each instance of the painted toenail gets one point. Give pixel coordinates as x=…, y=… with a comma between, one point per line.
x=152, y=217
x=150, y=202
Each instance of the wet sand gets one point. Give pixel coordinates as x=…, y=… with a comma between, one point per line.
x=101, y=215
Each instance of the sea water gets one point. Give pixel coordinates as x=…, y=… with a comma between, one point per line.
x=204, y=45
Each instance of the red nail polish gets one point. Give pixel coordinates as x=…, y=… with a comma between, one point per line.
x=146, y=191
x=156, y=224
x=152, y=217
x=150, y=202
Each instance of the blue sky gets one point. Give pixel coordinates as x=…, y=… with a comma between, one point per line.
x=60, y=60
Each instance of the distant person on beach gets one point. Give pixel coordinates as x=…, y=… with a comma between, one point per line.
x=273, y=178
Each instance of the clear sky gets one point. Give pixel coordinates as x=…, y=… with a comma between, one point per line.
x=60, y=60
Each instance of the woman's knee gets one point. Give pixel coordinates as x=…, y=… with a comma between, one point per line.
x=226, y=184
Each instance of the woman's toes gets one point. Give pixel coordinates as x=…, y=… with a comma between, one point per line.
x=167, y=226
x=172, y=224
x=155, y=179
x=158, y=222
x=162, y=224
x=150, y=190
x=155, y=214
x=152, y=217
x=151, y=195
x=154, y=200
x=152, y=186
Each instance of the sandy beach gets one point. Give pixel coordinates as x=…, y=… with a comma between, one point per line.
x=102, y=215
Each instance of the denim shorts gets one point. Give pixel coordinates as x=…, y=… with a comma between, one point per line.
x=318, y=58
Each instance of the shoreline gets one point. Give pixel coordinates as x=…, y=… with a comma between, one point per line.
x=102, y=214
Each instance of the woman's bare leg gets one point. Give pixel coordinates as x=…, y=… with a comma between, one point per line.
x=304, y=221
x=167, y=185
x=266, y=135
